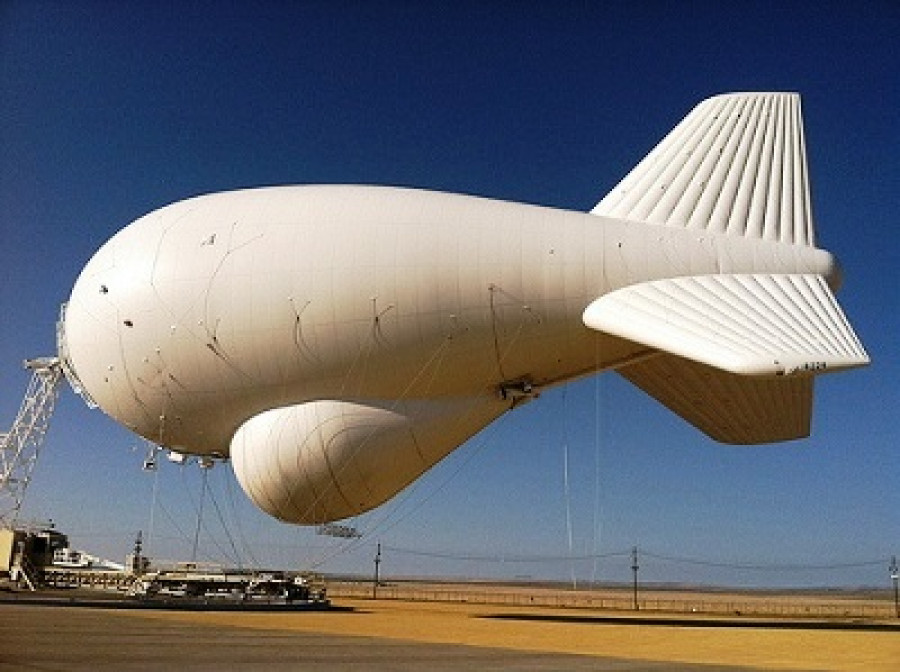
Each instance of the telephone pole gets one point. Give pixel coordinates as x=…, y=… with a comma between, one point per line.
x=634, y=570
x=377, y=562
x=895, y=576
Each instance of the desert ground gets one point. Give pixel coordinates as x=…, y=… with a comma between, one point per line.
x=703, y=641
x=390, y=633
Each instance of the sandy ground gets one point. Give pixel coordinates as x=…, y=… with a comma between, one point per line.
x=580, y=632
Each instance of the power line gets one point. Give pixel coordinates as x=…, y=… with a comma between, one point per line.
x=504, y=557
x=763, y=567
x=629, y=554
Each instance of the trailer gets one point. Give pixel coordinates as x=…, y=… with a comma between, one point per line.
x=195, y=582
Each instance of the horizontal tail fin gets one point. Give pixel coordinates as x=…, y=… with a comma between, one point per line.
x=736, y=164
x=737, y=352
x=747, y=324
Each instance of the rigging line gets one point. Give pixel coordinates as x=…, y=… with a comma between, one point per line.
x=393, y=406
x=566, y=491
x=501, y=356
x=364, y=352
x=491, y=289
x=438, y=352
x=597, y=519
x=434, y=363
x=134, y=396
x=480, y=444
x=173, y=521
x=343, y=546
x=245, y=546
x=237, y=555
x=478, y=447
x=304, y=350
x=435, y=366
x=366, y=365
x=212, y=339
x=377, y=333
x=230, y=249
x=413, y=488
x=204, y=478
x=385, y=524
x=154, y=493
x=198, y=509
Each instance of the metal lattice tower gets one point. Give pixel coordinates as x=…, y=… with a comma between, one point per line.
x=19, y=448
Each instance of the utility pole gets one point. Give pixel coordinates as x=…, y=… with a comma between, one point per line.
x=634, y=570
x=377, y=562
x=895, y=576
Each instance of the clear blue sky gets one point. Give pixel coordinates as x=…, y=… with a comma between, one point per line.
x=111, y=109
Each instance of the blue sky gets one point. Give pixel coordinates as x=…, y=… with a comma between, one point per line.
x=111, y=109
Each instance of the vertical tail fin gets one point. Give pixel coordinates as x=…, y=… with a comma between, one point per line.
x=735, y=354
x=736, y=164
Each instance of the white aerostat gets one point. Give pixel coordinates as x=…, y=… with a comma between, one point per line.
x=338, y=341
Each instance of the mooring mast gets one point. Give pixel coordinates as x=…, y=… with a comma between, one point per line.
x=20, y=446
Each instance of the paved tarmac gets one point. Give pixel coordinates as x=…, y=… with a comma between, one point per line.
x=69, y=638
